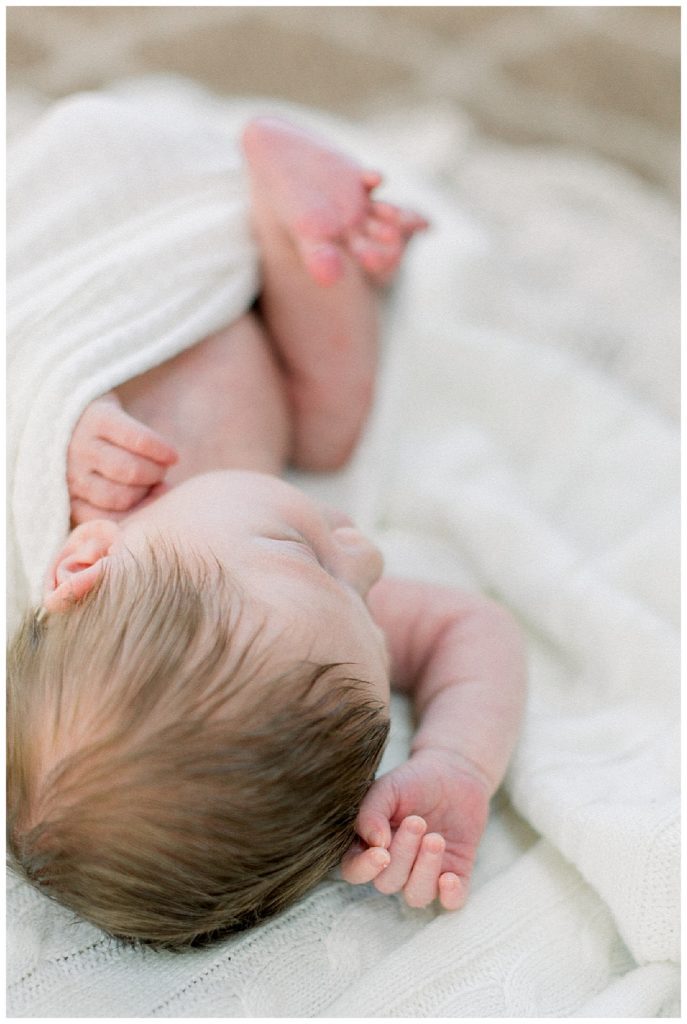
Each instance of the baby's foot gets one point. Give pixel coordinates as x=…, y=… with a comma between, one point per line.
x=380, y=242
x=322, y=199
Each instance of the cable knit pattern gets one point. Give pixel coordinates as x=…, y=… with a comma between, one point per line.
x=524, y=443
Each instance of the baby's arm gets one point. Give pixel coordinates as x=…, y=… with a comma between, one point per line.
x=113, y=461
x=460, y=657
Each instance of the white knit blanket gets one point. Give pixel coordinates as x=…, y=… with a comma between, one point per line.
x=524, y=443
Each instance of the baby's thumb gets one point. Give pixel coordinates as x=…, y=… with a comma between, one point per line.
x=376, y=811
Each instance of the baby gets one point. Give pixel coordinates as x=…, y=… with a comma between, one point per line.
x=197, y=713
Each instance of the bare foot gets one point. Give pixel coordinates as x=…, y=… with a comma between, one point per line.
x=322, y=199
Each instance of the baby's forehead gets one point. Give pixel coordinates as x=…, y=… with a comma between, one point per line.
x=284, y=610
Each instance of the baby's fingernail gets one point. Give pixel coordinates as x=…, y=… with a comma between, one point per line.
x=380, y=858
x=376, y=839
x=450, y=881
x=415, y=824
x=434, y=843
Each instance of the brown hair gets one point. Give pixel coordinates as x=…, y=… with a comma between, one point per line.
x=147, y=790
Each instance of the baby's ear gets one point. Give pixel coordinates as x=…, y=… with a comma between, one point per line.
x=79, y=564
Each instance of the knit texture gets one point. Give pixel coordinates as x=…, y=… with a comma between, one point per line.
x=524, y=443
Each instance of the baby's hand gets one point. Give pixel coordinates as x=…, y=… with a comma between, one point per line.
x=435, y=790
x=113, y=461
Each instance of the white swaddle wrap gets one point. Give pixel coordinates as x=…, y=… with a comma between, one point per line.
x=128, y=241
x=504, y=454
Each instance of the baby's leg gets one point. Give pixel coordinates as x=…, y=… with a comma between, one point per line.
x=326, y=246
x=221, y=403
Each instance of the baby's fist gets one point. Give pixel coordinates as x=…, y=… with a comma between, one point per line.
x=113, y=461
x=429, y=813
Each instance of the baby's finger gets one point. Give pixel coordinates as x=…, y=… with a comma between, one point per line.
x=404, y=849
x=452, y=891
x=115, y=425
x=376, y=811
x=373, y=827
x=423, y=883
x=104, y=494
x=82, y=512
x=122, y=467
x=359, y=867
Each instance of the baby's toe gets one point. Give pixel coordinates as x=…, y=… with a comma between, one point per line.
x=379, y=261
x=382, y=231
x=371, y=179
x=385, y=211
x=409, y=222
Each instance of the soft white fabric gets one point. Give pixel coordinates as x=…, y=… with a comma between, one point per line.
x=524, y=444
x=127, y=242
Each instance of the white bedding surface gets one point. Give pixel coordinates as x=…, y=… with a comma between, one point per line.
x=525, y=444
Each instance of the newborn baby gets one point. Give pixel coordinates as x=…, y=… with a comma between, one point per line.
x=197, y=712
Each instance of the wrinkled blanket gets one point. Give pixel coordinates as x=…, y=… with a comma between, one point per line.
x=524, y=443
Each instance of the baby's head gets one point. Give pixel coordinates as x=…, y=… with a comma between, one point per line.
x=193, y=725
